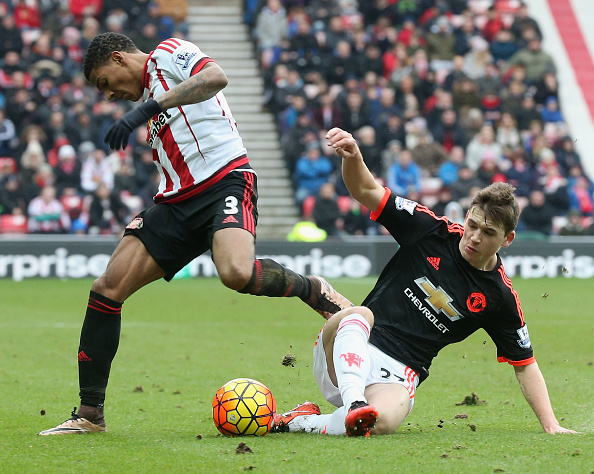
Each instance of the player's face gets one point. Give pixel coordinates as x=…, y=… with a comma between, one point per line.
x=482, y=239
x=117, y=80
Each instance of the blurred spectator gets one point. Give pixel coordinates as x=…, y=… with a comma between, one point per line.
x=270, y=31
x=477, y=59
x=107, y=213
x=8, y=138
x=68, y=170
x=312, y=170
x=580, y=196
x=537, y=216
x=441, y=45
x=326, y=213
x=356, y=114
x=326, y=114
x=405, y=175
x=503, y=47
x=507, y=131
x=46, y=214
x=448, y=170
x=13, y=199
x=303, y=47
x=85, y=8
x=567, y=156
x=547, y=87
x=466, y=181
x=444, y=197
x=342, y=64
x=448, y=131
x=523, y=22
x=535, y=61
x=428, y=154
x=355, y=221
x=574, y=225
x=389, y=130
x=481, y=145
x=96, y=169
x=370, y=149
x=455, y=212
x=520, y=174
x=489, y=172
x=551, y=111
x=10, y=36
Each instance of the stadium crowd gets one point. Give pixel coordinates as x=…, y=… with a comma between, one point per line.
x=56, y=174
x=444, y=97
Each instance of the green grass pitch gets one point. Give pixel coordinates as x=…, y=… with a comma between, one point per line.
x=182, y=340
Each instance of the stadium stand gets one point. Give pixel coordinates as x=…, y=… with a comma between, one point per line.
x=456, y=84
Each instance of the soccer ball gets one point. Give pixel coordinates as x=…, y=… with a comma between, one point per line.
x=243, y=407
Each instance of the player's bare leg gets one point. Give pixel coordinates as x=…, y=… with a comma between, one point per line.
x=392, y=402
x=131, y=267
x=233, y=251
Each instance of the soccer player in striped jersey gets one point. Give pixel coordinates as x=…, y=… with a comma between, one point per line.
x=445, y=282
x=206, y=200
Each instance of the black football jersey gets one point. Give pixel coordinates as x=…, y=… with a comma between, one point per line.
x=429, y=296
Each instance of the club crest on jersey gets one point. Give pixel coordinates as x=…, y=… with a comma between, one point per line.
x=524, y=340
x=352, y=359
x=136, y=223
x=403, y=204
x=183, y=59
x=476, y=302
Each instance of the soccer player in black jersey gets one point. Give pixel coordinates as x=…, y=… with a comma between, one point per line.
x=445, y=282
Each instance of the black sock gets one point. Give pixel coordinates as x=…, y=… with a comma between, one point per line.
x=99, y=341
x=270, y=278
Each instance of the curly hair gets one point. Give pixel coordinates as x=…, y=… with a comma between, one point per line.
x=102, y=46
x=499, y=204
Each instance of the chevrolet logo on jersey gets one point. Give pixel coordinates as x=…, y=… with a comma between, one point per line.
x=438, y=299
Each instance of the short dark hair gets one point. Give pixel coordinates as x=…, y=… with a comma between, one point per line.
x=101, y=47
x=498, y=203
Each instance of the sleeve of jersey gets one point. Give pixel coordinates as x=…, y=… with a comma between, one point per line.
x=406, y=220
x=510, y=334
x=180, y=59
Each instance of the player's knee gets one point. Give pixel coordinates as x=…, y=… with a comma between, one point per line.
x=387, y=423
x=361, y=310
x=235, y=276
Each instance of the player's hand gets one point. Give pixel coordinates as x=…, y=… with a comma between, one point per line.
x=343, y=143
x=118, y=134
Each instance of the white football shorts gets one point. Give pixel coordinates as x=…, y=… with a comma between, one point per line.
x=384, y=369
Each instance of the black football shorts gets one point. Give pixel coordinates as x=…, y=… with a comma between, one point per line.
x=176, y=233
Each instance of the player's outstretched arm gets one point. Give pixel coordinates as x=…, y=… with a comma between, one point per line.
x=357, y=177
x=536, y=394
x=197, y=88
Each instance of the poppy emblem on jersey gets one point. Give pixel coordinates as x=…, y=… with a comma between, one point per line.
x=476, y=302
x=136, y=223
x=352, y=359
x=183, y=59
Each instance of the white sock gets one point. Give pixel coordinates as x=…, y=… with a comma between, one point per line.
x=331, y=424
x=351, y=358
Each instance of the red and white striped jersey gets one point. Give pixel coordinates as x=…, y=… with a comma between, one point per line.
x=194, y=145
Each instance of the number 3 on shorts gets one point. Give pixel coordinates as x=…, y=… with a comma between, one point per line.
x=231, y=208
